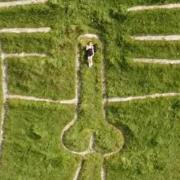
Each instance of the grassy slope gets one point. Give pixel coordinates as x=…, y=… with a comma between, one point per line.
x=139, y=79
x=153, y=49
x=41, y=77
x=152, y=147
x=32, y=149
x=90, y=114
x=154, y=22
x=108, y=20
x=125, y=78
x=1, y=93
x=40, y=43
x=90, y=121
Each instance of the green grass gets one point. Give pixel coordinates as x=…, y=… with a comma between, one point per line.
x=32, y=148
x=42, y=77
x=154, y=22
x=90, y=115
x=152, y=147
x=40, y=43
x=135, y=79
x=28, y=16
x=91, y=121
x=91, y=167
x=153, y=49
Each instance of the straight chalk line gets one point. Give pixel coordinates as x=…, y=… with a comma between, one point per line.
x=26, y=30
x=152, y=7
x=31, y=98
x=155, y=61
x=132, y=98
x=21, y=3
x=157, y=38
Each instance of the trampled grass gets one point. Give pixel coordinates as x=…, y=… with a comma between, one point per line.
x=152, y=130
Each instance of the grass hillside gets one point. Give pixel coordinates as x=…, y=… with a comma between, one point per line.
x=32, y=147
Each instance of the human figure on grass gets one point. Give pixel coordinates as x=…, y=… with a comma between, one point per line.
x=90, y=50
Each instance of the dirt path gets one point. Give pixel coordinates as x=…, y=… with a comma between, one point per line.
x=20, y=3
x=132, y=98
x=26, y=30
x=155, y=61
x=152, y=7
x=157, y=38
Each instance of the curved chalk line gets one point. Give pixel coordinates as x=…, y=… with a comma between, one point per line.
x=69, y=125
x=90, y=149
x=21, y=3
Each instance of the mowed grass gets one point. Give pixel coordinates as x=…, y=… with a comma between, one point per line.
x=152, y=148
x=42, y=77
x=133, y=79
x=32, y=148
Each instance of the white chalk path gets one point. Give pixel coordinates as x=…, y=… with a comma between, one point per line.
x=23, y=54
x=78, y=170
x=4, y=96
x=155, y=61
x=31, y=98
x=152, y=7
x=26, y=30
x=21, y=3
x=157, y=38
x=133, y=98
